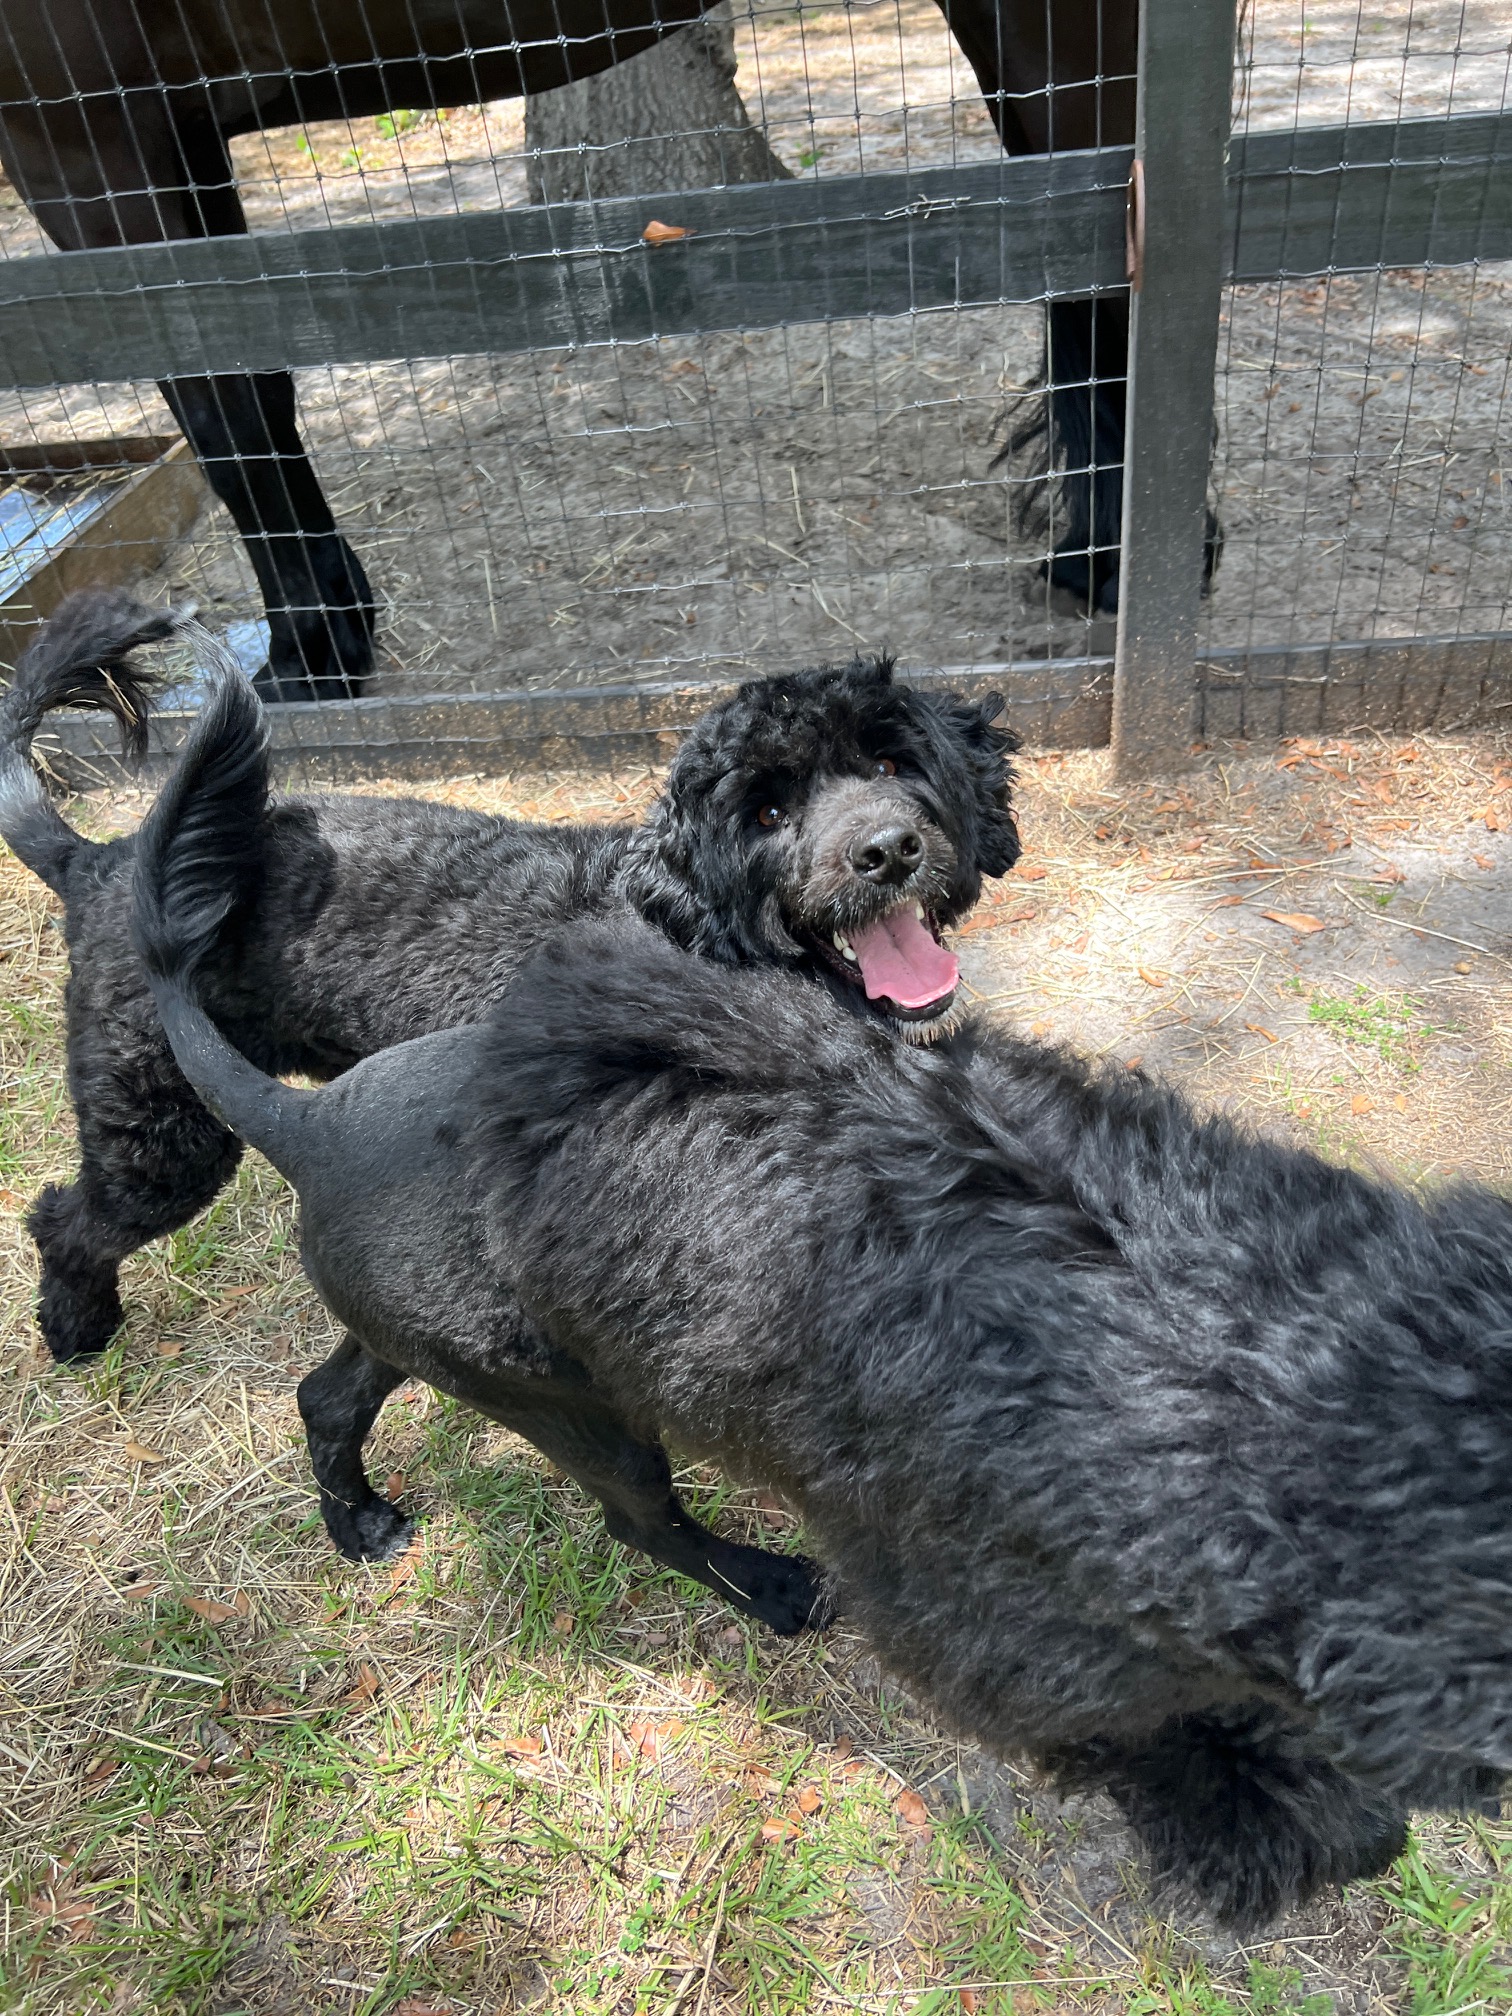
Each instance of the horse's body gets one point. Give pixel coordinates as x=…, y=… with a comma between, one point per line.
x=114, y=123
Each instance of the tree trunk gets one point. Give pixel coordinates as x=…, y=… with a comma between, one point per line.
x=668, y=119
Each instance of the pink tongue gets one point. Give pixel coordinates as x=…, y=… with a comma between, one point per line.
x=901, y=961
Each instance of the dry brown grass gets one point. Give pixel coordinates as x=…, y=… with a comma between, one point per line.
x=518, y=1769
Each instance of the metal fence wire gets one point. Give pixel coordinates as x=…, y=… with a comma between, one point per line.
x=1363, y=404
x=489, y=374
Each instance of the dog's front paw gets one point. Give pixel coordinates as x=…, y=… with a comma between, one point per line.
x=77, y=1319
x=788, y=1593
x=374, y=1531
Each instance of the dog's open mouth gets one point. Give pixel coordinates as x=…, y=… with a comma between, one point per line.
x=899, y=960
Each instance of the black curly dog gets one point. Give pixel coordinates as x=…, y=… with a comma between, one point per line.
x=831, y=819
x=1175, y=1457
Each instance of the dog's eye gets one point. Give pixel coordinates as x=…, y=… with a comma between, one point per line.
x=771, y=815
x=884, y=767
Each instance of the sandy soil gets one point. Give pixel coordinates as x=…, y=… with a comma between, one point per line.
x=692, y=508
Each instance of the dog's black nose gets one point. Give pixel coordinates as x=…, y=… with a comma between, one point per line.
x=891, y=854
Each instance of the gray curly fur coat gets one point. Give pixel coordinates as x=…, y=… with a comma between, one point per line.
x=1175, y=1457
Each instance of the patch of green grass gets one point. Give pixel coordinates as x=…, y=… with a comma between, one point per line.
x=1390, y=1024
x=1449, y=1928
x=391, y=124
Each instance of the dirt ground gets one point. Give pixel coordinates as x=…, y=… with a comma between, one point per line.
x=732, y=503
x=520, y=1771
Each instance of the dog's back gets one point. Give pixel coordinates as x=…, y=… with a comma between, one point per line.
x=1104, y=1411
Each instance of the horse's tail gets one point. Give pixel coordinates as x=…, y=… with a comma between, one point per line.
x=198, y=849
x=81, y=658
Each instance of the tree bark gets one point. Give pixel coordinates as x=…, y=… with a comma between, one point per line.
x=668, y=119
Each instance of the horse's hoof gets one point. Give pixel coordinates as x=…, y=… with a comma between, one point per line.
x=331, y=659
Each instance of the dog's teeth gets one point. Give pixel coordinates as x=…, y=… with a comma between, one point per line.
x=919, y=912
x=849, y=954
x=842, y=943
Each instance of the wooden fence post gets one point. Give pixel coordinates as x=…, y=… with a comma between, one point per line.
x=1186, y=56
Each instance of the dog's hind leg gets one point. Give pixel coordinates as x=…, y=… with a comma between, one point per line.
x=339, y=1402
x=632, y=1480
x=151, y=1156
x=1236, y=1809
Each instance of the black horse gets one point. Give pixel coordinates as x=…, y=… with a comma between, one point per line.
x=114, y=123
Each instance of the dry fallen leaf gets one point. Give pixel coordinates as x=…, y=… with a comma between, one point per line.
x=1400, y=1102
x=1030, y=874
x=1361, y=1104
x=139, y=1591
x=564, y=1623
x=366, y=1689
x=657, y=233
x=1259, y=1029
x=1483, y=860
x=649, y=1737
x=968, y=2000
x=394, y=1488
x=1133, y=1063
x=809, y=1800
x=844, y=1745
x=1390, y=873
x=1295, y=920
x=1227, y=902
x=60, y=1902
x=211, y=1611
x=138, y=1452
x=784, y=1829
x=170, y=1347
x=522, y=1746
x=912, y=1808
x=1150, y=977
x=404, y=1568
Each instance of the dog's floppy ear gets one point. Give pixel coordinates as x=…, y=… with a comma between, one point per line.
x=987, y=745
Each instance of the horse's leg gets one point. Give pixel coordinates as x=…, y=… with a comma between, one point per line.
x=1055, y=77
x=1087, y=345
x=116, y=169
x=320, y=608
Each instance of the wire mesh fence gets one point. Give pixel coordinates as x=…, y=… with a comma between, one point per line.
x=689, y=506
x=1363, y=414
x=726, y=357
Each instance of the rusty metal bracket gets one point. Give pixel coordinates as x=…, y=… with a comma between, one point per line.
x=1134, y=229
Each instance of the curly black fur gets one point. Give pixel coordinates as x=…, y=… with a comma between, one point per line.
x=81, y=659
x=356, y=923
x=1174, y=1456
x=1177, y=1458
x=371, y=1155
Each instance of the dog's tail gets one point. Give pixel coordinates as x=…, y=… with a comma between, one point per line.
x=196, y=850
x=81, y=658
